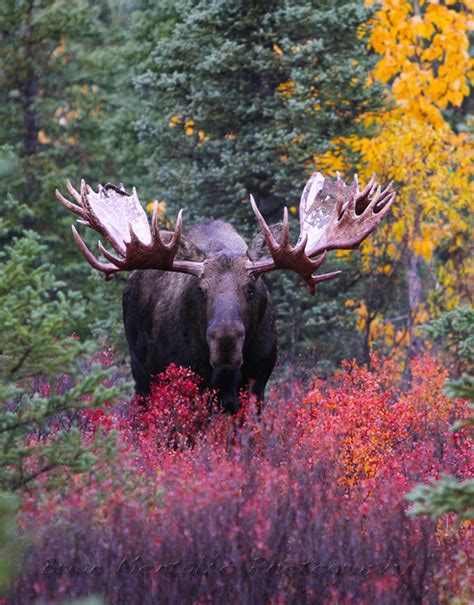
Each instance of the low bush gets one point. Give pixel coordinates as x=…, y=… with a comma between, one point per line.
x=302, y=504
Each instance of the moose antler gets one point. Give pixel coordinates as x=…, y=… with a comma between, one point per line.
x=332, y=216
x=119, y=217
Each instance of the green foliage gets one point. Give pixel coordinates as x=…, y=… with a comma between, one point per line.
x=9, y=549
x=464, y=387
x=42, y=78
x=38, y=352
x=453, y=332
x=241, y=96
x=445, y=496
x=57, y=65
x=34, y=309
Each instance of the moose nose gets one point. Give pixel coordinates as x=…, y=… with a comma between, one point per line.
x=225, y=345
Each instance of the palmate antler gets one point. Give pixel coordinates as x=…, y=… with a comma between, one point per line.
x=119, y=217
x=332, y=216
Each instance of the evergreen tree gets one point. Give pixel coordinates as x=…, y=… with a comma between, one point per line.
x=44, y=373
x=46, y=106
x=59, y=77
x=243, y=95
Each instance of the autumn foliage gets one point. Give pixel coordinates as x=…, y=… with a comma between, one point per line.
x=305, y=501
x=420, y=144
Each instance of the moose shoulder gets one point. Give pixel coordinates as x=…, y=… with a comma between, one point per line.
x=199, y=301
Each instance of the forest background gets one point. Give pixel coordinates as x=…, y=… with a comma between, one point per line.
x=178, y=100
x=200, y=104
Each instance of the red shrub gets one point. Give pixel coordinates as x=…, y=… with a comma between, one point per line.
x=301, y=504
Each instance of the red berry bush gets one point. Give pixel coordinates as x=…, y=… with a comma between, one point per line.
x=301, y=504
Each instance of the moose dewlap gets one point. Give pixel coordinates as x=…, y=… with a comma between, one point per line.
x=198, y=301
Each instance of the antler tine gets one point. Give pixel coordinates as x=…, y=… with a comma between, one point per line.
x=316, y=279
x=178, y=232
x=75, y=194
x=85, y=190
x=85, y=203
x=135, y=241
x=69, y=205
x=286, y=229
x=340, y=195
x=118, y=262
x=376, y=195
x=155, y=229
x=108, y=269
x=356, y=183
x=267, y=234
x=369, y=189
x=301, y=244
x=372, y=184
x=326, y=276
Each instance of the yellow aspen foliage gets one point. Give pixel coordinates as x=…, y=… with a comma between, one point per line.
x=189, y=128
x=286, y=89
x=164, y=221
x=423, y=48
x=43, y=138
x=174, y=121
x=432, y=168
x=160, y=207
x=277, y=50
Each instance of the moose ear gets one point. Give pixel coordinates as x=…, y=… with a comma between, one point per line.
x=259, y=249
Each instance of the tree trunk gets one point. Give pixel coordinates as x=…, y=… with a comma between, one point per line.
x=414, y=296
x=31, y=129
x=30, y=89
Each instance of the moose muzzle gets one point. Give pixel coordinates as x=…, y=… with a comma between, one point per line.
x=226, y=342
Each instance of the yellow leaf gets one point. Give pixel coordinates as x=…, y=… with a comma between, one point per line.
x=277, y=49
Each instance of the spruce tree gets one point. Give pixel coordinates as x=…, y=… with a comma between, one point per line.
x=242, y=95
x=58, y=73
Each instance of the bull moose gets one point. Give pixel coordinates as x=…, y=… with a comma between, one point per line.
x=199, y=301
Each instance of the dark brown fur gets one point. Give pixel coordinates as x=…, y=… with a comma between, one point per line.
x=220, y=325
